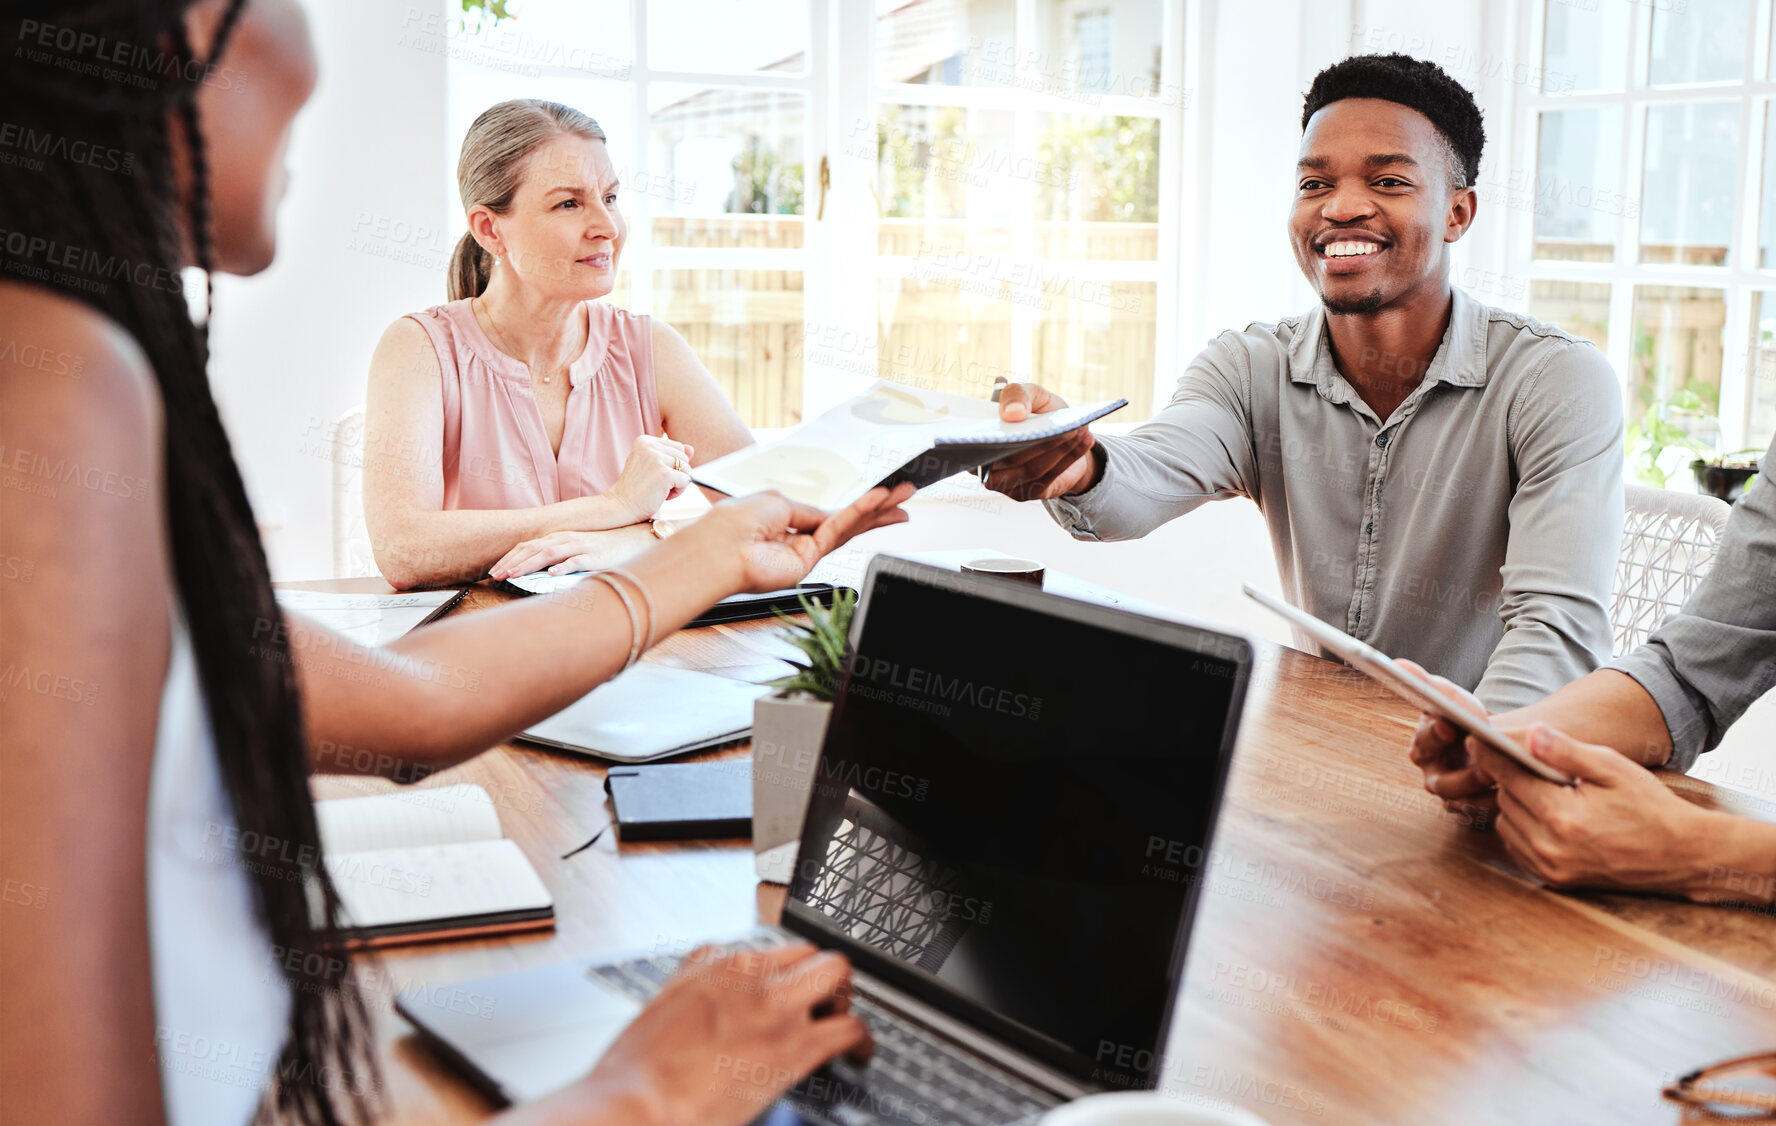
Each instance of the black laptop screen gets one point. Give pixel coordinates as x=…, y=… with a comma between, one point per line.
x=1015, y=805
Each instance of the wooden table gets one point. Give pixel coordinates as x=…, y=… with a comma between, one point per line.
x=1358, y=956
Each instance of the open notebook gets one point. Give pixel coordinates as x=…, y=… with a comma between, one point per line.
x=889, y=434
x=428, y=864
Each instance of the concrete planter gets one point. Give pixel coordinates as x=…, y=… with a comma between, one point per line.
x=786, y=735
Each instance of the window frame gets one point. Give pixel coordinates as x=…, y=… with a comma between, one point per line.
x=1179, y=130
x=1741, y=278
x=840, y=86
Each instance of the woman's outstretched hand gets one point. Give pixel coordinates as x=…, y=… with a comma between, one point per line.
x=774, y=541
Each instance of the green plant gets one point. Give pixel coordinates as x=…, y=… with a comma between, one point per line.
x=823, y=637
x=1655, y=433
x=1099, y=169
x=909, y=139
x=763, y=184
x=490, y=9
x=1650, y=439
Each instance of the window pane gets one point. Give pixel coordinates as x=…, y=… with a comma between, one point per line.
x=1767, y=255
x=1699, y=41
x=952, y=168
x=728, y=38
x=949, y=332
x=1585, y=47
x=1578, y=170
x=1581, y=308
x=1095, y=340
x=726, y=165
x=1097, y=187
x=945, y=42
x=746, y=327
x=1692, y=159
x=1085, y=50
x=1762, y=423
x=1107, y=47
x=1678, y=338
x=585, y=35
x=471, y=90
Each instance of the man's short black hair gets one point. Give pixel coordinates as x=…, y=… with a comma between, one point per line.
x=1415, y=84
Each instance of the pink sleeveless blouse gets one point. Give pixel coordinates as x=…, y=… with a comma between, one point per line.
x=495, y=451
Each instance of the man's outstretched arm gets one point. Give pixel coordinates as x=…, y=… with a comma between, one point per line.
x=1197, y=449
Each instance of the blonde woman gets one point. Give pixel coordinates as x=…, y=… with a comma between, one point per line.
x=527, y=424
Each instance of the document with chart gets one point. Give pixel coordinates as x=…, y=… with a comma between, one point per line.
x=889, y=434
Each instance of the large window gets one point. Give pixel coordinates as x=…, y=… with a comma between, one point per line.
x=1653, y=228
x=821, y=192
x=1023, y=231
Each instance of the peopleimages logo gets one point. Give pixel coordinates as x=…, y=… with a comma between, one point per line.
x=875, y=779
x=90, y=267
x=97, y=56
x=881, y=675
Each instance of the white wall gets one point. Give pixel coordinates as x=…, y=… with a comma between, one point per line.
x=292, y=346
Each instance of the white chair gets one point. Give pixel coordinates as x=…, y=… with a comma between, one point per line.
x=1668, y=544
x=352, y=557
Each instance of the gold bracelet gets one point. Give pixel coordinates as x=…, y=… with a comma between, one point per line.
x=646, y=600
x=634, y=620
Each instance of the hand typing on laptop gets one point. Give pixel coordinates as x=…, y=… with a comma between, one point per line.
x=726, y=1037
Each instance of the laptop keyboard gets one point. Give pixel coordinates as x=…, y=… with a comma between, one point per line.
x=935, y=1080
x=915, y=1076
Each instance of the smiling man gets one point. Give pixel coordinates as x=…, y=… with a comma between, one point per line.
x=1440, y=478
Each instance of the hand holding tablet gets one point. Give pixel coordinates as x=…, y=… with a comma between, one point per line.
x=1389, y=673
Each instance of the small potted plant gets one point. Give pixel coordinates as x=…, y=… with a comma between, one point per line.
x=1659, y=438
x=788, y=727
x=1726, y=476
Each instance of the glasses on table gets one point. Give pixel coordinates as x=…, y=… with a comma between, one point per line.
x=1735, y=1090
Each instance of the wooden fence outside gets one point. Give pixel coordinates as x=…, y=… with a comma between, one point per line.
x=1091, y=340
x=954, y=333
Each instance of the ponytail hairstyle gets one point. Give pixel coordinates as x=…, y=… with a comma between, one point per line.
x=491, y=166
x=131, y=208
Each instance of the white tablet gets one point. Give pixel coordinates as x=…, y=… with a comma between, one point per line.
x=1384, y=670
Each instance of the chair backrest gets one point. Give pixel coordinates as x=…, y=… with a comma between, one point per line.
x=352, y=557
x=1668, y=544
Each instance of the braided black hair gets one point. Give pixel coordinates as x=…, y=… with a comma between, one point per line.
x=1415, y=84
x=108, y=232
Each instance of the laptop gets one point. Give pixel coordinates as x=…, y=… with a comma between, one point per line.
x=1005, y=836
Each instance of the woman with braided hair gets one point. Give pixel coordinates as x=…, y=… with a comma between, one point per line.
x=159, y=716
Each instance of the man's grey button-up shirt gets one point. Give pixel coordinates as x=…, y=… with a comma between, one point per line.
x=1474, y=531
